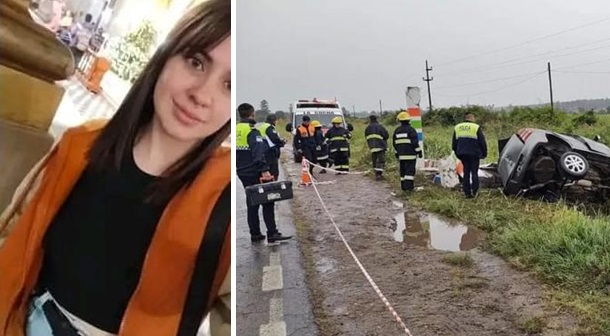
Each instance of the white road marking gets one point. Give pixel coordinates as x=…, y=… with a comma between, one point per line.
x=276, y=309
x=275, y=327
x=274, y=258
x=272, y=278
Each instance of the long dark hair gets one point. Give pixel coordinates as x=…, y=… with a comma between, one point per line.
x=201, y=28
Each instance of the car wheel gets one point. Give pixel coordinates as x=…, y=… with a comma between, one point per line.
x=574, y=165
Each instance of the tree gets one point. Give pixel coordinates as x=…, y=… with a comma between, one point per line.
x=260, y=115
x=265, y=106
x=280, y=115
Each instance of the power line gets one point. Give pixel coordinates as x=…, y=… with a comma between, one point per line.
x=535, y=55
x=582, y=64
x=526, y=42
x=500, y=66
x=487, y=81
x=495, y=90
x=582, y=72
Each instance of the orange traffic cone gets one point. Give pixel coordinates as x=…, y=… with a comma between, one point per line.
x=305, y=178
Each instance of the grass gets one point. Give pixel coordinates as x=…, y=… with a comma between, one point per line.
x=533, y=326
x=458, y=259
x=566, y=248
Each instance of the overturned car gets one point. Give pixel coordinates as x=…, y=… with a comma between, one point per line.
x=540, y=162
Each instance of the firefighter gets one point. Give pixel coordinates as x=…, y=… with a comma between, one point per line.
x=338, y=145
x=304, y=141
x=406, y=148
x=470, y=147
x=321, y=146
x=377, y=140
x=252, y=168
x=274, y=143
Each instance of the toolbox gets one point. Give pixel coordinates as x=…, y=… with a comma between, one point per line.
x=269, y=192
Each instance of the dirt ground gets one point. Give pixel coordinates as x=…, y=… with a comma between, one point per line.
x=432, y=296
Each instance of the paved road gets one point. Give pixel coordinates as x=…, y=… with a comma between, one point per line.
x=272, y=298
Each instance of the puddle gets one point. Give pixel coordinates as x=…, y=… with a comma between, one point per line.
x=430, y=231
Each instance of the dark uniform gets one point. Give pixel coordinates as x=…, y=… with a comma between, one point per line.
x=470, y=147
x=338, y=147
x=377, y=140
x=406, y=146
x=273, y=143
x=304, y=141
x=321, y=149
x=251, y=163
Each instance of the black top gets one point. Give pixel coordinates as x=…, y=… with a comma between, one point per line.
x=96, y=244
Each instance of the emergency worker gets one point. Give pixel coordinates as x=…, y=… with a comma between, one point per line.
x=304, y=141
x=252, y=168
x=337, y=138
x=406, y=147
x=273, y=143
x=321, y=146
x=377, y=140
x=470, y=147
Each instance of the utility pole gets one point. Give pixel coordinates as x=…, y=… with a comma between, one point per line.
x=354, y=110
x=550, y=87
x=428, y=80
x=380, y=110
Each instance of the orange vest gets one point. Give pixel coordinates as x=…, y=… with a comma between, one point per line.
x=156, y=305
x=303, y=131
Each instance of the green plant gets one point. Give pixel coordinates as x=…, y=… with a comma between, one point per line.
x=132, y=52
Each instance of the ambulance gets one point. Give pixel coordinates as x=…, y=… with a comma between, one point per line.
x=323, y=111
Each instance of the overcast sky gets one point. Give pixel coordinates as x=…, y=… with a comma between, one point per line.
x=363, y=51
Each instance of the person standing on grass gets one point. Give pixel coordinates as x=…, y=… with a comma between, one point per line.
x=124, y=227
x=470, y=147
x=406, y=149
x=377, y=141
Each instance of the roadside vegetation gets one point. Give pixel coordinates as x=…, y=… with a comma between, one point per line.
x=566, y=248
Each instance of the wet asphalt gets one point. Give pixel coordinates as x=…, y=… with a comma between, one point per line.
x=253, y=304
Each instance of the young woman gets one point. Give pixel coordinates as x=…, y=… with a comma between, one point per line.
x=123, y=229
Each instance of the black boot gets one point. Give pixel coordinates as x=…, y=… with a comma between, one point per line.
x=257, y=238
x=276, y=237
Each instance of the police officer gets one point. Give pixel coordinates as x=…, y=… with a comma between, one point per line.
x=321, y=146
x=406, y=147
x=338, y=145
x=377, y=140
x=470, y=147
x=274, y=143
x=252, y=168
x=304, y=141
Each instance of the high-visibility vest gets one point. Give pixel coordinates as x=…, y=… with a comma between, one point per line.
x=242, y=130
x=467, y=129
x=306, y=132
x=263, y=129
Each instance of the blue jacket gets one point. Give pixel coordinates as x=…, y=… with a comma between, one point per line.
x=468, y=140
x=250, y=152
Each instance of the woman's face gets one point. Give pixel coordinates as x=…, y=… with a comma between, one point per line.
x=192, y=96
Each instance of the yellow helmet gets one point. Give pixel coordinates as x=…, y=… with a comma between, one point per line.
x=316, y=123
x=403, y=116
x=337, y=120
